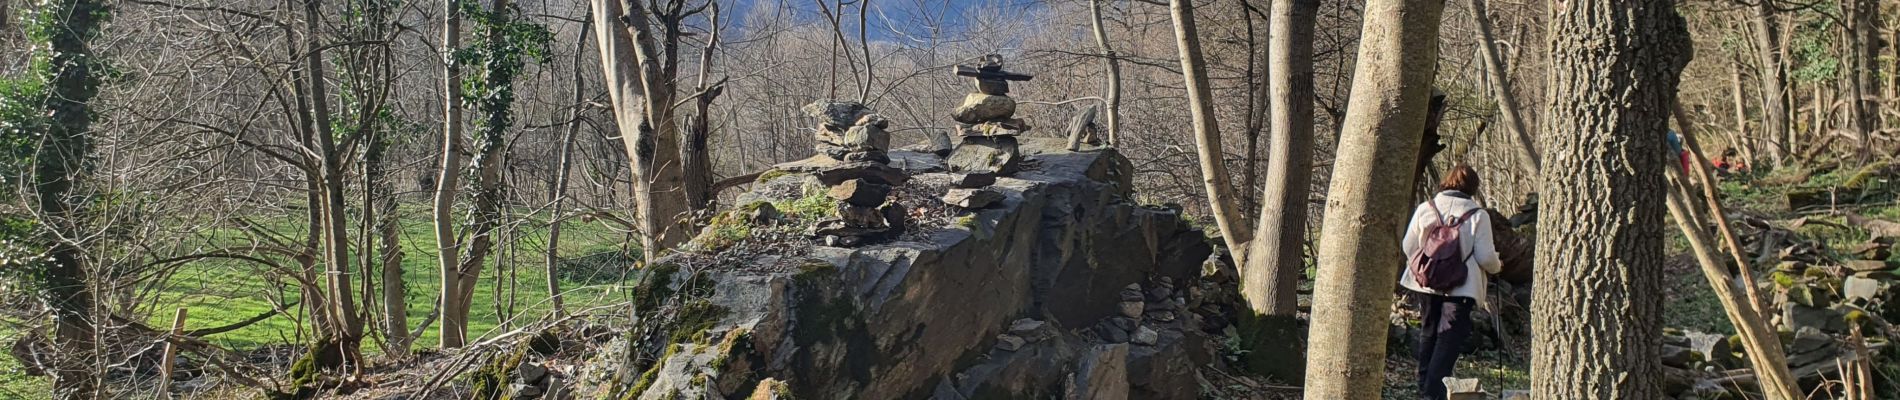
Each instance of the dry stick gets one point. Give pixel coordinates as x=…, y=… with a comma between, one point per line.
x=1701, y=167
x=1761, y=344
x=171, y=352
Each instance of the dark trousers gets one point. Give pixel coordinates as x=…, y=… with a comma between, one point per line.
x=1447, y=323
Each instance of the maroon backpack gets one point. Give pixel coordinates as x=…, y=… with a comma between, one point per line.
x=1439, y=265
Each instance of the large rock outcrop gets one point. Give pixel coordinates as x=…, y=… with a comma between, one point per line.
x=1009, y=301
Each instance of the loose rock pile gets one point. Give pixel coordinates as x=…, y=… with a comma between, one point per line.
x=1830, y=306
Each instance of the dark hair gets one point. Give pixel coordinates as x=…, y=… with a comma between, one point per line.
x=1460, y=178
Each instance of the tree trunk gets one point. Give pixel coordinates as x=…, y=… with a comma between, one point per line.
x=1112, y=64
x=643, y=94
x=1270, y=278
x=1220, y=195
x=1743, y=142
x=60, y=164
x=485, y=167
x=1774, y=85
x=695, y=152
x=562, y=168
x=448, y=183
x=1369, y=201
x=1277, y=261
x=348, y=328
x=1863, y=46
x=1614, y=70
x=381, y=211
x=1501, y=87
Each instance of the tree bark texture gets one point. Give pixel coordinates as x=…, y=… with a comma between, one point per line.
x=1369, y=202
x=1220, y=192
x=1598, y=307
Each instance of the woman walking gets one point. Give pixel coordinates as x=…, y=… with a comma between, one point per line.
x=1451, y=252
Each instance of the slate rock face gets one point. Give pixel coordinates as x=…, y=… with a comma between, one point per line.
x=921, y=317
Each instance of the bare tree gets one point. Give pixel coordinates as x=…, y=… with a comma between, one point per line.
x=641, y=63
x=448, y=181
x=1276, y=259
x=1369, y=199
x=1501, y=86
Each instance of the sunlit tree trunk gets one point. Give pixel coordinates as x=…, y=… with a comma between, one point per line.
x=1369, y=202
x=1270, y=279
x=1112, y=65
x=448, y=184
x=1614, y=70
x=642, y=87
x=1235, y=229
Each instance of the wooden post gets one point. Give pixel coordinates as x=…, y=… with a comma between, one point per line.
x=171, y=353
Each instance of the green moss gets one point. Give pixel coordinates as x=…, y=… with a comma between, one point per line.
x=693, y=319
x=737, y=340
x=813, y=270
x=814, y=205
x=646, y=378
x=491, y=381
x=655, y=287
x=782, y=390
x=547, y=342
x=770, y=175
x=967, y=221
x=323, y=355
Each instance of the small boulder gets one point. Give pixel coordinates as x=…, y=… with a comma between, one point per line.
x=979, y=108
x=1009, y=342
x=874, y=172
x=1677, y=356
x=972, y=198
x=1132, y=309
x=525, y=391
x=1145, y=336
x=763, y=213
x=970, y=181
x=837, y=114
x=530, y=372
x=998, y=155
x=1862, y=266
x=858, y=192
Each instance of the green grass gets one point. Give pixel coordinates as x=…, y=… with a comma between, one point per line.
x=220, y=292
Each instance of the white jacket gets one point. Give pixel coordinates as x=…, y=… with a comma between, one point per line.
x=1474, y=237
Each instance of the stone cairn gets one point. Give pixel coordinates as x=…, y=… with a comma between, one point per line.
x=852, y=162
x=987, y=123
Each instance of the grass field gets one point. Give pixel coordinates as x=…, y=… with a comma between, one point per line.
x=220, y=292
x=224, y=292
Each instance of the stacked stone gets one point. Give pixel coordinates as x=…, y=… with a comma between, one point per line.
x=852, y=162
x=986, y=122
